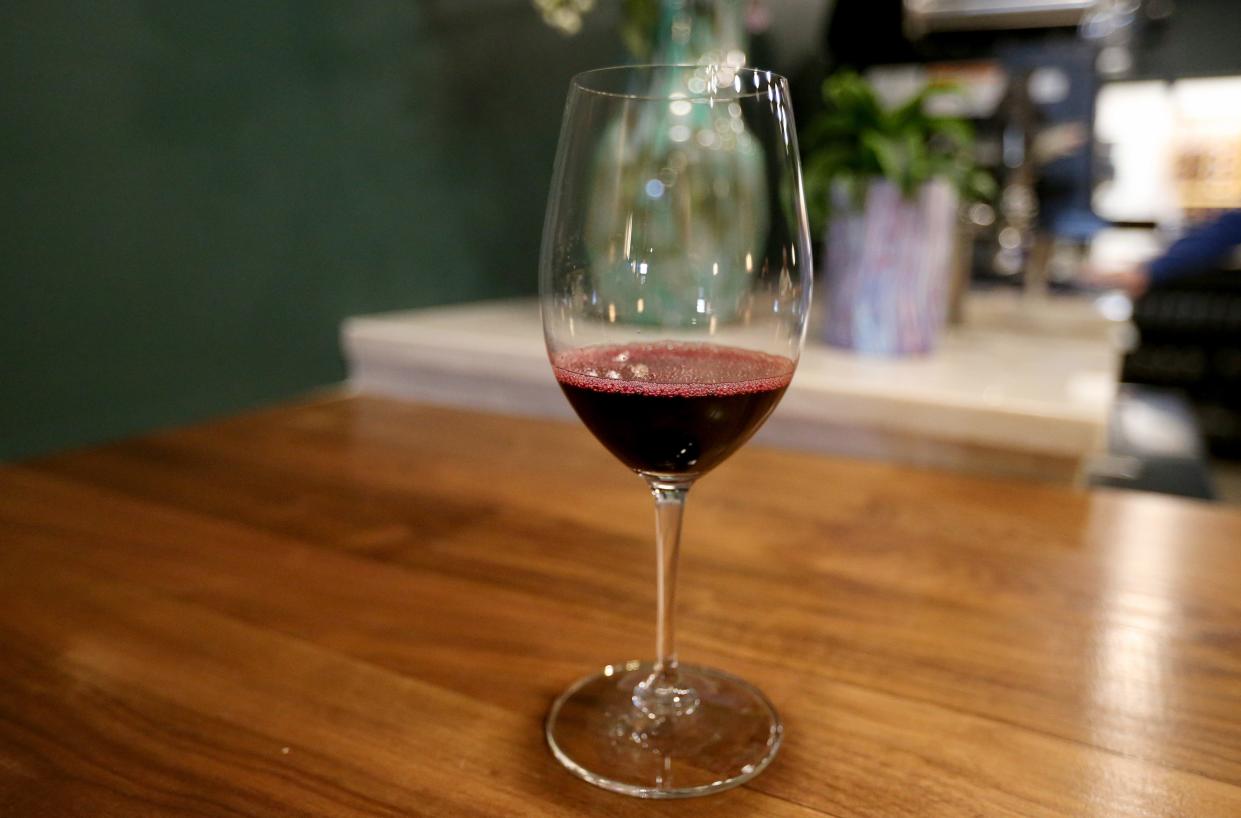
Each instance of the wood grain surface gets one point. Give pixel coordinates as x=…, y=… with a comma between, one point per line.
x=357, y=607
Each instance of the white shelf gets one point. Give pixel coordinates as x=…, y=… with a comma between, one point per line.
x=1038, y=382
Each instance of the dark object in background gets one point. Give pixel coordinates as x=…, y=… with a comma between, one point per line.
x=862, y=34
x=1154, y=444
x=1191, y=340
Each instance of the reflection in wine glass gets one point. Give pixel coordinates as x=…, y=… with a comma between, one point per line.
x=659, y=167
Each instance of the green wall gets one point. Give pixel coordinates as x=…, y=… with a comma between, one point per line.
x=196, y=193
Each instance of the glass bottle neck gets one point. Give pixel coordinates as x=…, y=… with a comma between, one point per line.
x=701, y=31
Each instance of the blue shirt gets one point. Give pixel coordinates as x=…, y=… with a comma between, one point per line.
x=1199, y=250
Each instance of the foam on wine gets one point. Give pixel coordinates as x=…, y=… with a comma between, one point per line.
x=672, y=407
x=672, y=369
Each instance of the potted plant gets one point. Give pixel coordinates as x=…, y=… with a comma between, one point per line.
x=886, y=183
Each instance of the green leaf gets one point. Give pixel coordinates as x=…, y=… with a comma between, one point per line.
x=830, y=127
x=918, y=162
x=911, y=114
x=888, y=155
x=639, y=21
x=957, y=131
x=981, y=185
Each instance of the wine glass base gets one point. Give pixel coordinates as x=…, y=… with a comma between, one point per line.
x=731, y=735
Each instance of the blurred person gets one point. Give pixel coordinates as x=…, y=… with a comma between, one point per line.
x=1196, y=252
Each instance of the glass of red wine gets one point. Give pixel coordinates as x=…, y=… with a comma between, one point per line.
x=675, y=285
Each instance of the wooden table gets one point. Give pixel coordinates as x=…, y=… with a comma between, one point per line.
x=358, y=607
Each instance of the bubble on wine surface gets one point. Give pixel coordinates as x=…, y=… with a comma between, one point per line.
x=637, y=372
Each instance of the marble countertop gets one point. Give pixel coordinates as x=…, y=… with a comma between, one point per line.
x=1019, y=376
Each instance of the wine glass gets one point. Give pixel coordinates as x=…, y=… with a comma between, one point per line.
x=675, y=284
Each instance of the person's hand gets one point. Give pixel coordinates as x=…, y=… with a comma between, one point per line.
x=1134, y=279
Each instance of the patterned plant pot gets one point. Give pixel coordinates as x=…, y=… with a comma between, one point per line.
x=888, y=269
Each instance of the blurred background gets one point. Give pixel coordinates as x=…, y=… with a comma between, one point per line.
x=213, y=207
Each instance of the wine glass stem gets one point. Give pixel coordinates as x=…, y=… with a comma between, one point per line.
x=662, y=692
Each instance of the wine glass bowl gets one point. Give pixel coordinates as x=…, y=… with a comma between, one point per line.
x=675, y=285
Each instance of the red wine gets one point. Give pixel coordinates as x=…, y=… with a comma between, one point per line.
x=672, y=408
